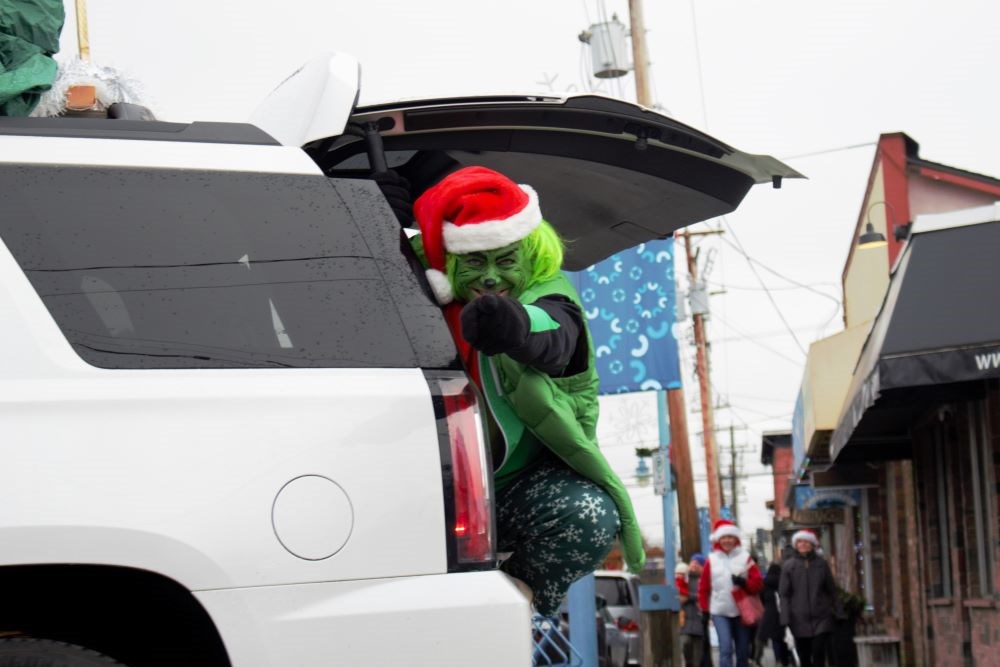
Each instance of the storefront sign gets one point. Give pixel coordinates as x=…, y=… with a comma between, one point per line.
x=815, y=517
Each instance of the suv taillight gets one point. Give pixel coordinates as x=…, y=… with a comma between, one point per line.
x=468, y=485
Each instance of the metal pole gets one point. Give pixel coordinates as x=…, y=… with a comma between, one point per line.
x=669, y=543
x=582, y=611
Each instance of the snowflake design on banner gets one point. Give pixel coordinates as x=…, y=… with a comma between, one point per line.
x=629, y=301
x=629, y=420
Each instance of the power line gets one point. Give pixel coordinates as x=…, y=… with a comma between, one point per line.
x=827, y=150
x=758, y=335
x=770, y=296
x=765, y=399
x=697, y=59
x=773, y=288
x=753, y=260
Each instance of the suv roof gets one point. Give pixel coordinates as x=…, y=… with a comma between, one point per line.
x=140, y=130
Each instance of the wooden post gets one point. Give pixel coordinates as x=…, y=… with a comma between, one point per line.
x=707, y=421
x=82, y=38
x=680, y=451
x=640, y=59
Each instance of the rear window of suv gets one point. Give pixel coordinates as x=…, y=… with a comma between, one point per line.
x=145, y=268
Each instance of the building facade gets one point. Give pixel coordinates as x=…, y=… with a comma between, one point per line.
x=899, y=415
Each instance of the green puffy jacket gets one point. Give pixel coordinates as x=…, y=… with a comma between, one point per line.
x=561, y=412
x=29, y=35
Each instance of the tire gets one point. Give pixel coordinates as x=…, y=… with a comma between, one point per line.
x=27, y=652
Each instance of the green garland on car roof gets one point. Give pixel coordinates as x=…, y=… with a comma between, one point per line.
x=29, y=35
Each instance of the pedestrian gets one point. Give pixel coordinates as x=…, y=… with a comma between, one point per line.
x=494, y=266
x=807, y=592
x=693, y=631
x=770, y=631
x=728, y=567
x=681, y=579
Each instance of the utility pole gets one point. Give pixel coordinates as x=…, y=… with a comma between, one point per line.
x=640, y=58
x=701, y=365
x=687, y=510
x=661, y=648
x=680, y=450
x=734, y=474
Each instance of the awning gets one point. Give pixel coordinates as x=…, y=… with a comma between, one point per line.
x=937, y=333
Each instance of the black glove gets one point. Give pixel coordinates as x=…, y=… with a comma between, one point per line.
x=739, y=581
x=494, y=324
x=396, y=190
x=704, y=618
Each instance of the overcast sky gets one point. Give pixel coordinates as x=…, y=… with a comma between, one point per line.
x=783, y=77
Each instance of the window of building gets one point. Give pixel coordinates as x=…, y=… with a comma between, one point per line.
x=932, y=458
x=862, y=548
x=975, y=506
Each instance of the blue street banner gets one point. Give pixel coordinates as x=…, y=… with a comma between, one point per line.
x=631, y=307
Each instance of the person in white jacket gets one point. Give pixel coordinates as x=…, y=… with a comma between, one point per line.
x=728, y=567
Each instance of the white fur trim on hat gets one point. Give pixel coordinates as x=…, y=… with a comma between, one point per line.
x=722, y=531
x=441, y=286
x=682, y=568
x=806, y=535
x=493, y=234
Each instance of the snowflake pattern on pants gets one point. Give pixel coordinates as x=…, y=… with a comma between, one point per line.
x=558, y=526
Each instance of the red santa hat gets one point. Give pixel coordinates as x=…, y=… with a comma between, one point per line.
x=470, y=210
x=806, y=534
x=723, y=527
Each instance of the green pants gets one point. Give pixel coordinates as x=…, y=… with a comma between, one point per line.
x=559, y=527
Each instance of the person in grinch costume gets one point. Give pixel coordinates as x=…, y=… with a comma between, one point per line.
x=29, y=35
x=494, y=265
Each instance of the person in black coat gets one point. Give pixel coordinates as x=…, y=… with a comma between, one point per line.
x=693, y=633
x=807, y=593
x=770, y=629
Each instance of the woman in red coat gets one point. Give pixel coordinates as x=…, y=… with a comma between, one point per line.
x=729, y=567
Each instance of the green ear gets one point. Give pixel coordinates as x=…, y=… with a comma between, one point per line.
x=418, y=247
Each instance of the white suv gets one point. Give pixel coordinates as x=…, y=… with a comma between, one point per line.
x=233, y=427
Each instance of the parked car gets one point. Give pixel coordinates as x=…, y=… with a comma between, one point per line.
x=616, y=642
x=235, y=428
x=621, y=590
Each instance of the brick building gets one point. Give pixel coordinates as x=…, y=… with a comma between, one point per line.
x=900, y=413
x=776, y=451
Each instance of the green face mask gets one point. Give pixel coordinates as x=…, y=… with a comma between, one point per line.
x=500, y=271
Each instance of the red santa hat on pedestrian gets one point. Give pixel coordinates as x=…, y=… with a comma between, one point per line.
x=723, y=527
x=472, y=209
x=806, y=534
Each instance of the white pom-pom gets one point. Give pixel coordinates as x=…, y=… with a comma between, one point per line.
x=441, y=286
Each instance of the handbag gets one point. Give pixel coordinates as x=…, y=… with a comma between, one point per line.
x=750, y=607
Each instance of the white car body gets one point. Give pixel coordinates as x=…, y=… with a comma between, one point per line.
x=176, y=472
x=248, y=506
